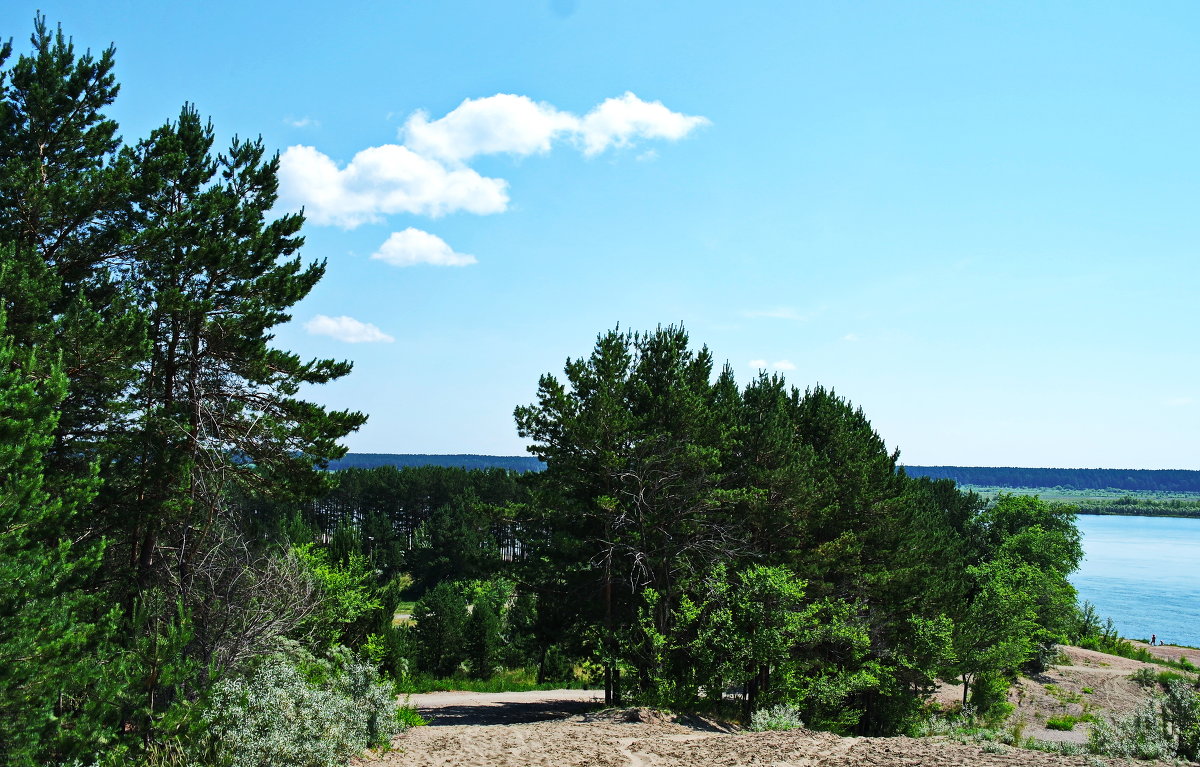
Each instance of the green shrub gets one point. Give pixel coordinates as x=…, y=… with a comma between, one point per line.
x=407, y=716
x=441, y=617
x=780, y=717
x=1144, y=677
x=483, y=640
x=556, y=666
x=1065, y=722
x=1180, y=712
x=278, y=716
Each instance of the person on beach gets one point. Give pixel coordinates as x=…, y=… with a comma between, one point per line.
x=1152, y=638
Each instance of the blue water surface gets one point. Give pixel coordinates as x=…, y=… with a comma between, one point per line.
x=1144, y=573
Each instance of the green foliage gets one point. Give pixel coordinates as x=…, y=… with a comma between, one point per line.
x=347, y=598
x=1065, y=722
x=407, y=716
x=1144, y=677
x=1139, y=735
x=51, y=629
x=481, y=639
x=141, y=406
x=506, y=680
x=441, y=617
x=768, y=539
x=1166, y=726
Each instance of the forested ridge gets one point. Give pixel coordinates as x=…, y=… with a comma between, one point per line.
x=184, y=581
x=1139, y=480
x=1142, y=480
x=519, y=463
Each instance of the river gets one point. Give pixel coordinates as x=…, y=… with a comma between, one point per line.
x=1144, y=573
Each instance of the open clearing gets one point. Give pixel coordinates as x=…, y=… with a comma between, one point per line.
x=563, y=728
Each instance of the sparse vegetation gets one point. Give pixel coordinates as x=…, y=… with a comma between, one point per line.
x=778, y=717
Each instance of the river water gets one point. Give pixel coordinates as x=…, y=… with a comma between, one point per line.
x=1144, y=573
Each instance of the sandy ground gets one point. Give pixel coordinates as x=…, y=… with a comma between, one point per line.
x=1170, y=652
x=565, y=728
x=610, y=739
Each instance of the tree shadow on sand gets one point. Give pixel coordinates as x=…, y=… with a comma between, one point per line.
x=506, y=712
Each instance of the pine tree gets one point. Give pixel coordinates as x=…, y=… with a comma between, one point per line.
x=215, y=405
x=46, y=637
x=64, y=200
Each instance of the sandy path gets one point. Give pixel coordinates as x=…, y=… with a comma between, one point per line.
x=1170, y=652
x=539, y=729
x=604, y=740
x=564, y=728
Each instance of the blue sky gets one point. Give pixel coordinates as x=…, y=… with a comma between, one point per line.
x=978, y=221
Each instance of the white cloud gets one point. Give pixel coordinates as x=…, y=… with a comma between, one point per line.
x=618, y=121
x=1178, y=401
x=511, y=124
x=379, y=181
x=412, y=246
x=426, y=176
x=301, y=122
x=504, y=123
x=851, y=337
x=346, y=329
x=757, y=364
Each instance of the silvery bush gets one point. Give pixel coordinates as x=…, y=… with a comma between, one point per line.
x=781, y=717
x=1139, y=735
x=275, y=716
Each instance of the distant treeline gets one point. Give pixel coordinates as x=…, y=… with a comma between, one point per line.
x=1144, y=480
x=1140, y=507
x=519, y=463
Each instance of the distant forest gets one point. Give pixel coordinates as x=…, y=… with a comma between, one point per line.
x=1145, y=480
x=518, y=463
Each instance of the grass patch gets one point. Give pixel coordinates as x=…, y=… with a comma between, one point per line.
x=509, y=680
x=407, y=716
x=1088, y=691
x=1061, y=695
x=1065, y=723
x=1148, y=677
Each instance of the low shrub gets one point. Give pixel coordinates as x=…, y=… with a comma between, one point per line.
x=1138, y=736
x=1065, y=722
x=280, y=715
x=1144, y=677
x=407, y=716
x=780, y=717
x=1054, y=747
